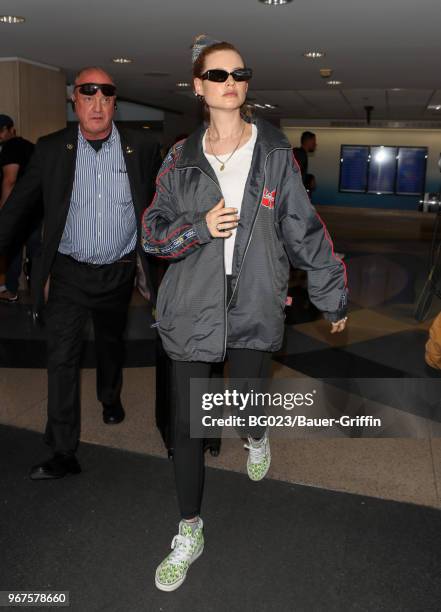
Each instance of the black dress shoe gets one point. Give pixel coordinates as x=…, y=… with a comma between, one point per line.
x=113, y=413
x=58, y=466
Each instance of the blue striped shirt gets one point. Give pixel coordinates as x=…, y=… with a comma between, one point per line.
x=101, y=222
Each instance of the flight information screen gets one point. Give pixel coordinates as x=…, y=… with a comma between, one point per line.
x=354, y=168
x=411, y=172
x=383, y=169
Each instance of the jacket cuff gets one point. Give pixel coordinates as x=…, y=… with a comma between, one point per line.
x=335, y=316
x=342, y=310
x=201, y=228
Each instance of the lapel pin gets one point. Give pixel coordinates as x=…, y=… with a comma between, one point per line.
x=129, y=150
x=69, y=146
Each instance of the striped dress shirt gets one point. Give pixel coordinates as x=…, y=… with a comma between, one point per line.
x=101, y=222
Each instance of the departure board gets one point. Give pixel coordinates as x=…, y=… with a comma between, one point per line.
x=354, y=168
x=411, y=172
x=382, y=170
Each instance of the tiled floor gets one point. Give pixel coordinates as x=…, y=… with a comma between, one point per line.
x=398, y=469
x=381, y=331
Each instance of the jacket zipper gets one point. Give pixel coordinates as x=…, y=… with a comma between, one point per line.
x=223, y=262
x=254, y=220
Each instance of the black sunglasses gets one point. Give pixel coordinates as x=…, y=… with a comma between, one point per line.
x=220, y=76
x=90, y=89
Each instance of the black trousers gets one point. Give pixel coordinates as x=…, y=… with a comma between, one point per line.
x=188, y=452
x=78, y=290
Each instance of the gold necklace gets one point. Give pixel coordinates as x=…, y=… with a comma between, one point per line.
x=222, y=164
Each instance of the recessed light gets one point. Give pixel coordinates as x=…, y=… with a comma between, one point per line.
x=264, y=106
x=145, y=127
x=11, y=19
x=275, y=2
x=314, y=54
x=122, y=60
x=182, y=84
x=334, y=83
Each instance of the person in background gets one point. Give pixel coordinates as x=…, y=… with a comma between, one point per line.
x=310, y=184
x=14, y=158
x=230, y=209
x=96, y=180
x=308, y=144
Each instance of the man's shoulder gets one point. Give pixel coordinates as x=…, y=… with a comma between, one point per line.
x=59, y=136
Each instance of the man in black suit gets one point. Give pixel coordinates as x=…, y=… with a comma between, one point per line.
x=96, y=180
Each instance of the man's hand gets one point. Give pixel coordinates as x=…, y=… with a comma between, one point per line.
x=220, y=218
x=338, y=326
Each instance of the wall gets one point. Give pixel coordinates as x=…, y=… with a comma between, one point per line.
x=33, y=95
x=325, y=162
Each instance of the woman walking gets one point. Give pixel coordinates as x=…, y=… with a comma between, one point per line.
x=230, y=214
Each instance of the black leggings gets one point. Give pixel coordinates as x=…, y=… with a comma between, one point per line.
x=189, y=452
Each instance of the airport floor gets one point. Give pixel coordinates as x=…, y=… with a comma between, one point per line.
x=340, y=523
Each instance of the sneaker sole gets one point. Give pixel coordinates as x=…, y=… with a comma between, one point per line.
x=176, y=585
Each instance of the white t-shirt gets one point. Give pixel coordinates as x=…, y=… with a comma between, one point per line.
x=232, y=181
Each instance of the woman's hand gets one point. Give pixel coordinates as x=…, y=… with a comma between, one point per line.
x=338, y=326
x=221, y=220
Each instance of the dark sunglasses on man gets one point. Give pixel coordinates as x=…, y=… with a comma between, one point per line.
x=90, y=89
x=220, y=76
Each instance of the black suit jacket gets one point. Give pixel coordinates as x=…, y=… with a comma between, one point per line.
x=50, y=175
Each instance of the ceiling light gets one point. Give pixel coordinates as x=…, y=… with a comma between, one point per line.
x=11, y=19
x=145, y=127
x=122, y=60
x=275, y=2
x=436, y=107
x=270, y=106
x=182, y=84
x=334, y=83
x=256, y=105
x=314, y=54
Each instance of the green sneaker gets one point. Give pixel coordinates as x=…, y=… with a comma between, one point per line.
x=259, y=457
x=187, y=546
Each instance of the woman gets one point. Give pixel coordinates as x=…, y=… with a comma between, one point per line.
x=229, y=211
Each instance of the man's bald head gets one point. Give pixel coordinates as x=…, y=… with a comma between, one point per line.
x=93, y=74
x=94, y=109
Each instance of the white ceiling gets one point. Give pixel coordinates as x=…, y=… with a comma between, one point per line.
x=373, y=46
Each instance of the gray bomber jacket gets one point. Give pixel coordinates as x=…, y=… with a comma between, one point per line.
x=278, y=225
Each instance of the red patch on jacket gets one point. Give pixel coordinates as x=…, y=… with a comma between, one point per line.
x=268, y=198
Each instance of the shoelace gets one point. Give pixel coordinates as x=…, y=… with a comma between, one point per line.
x=181, y=546
x=257, y=453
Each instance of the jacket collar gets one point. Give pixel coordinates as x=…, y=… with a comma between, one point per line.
x=268, y=138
